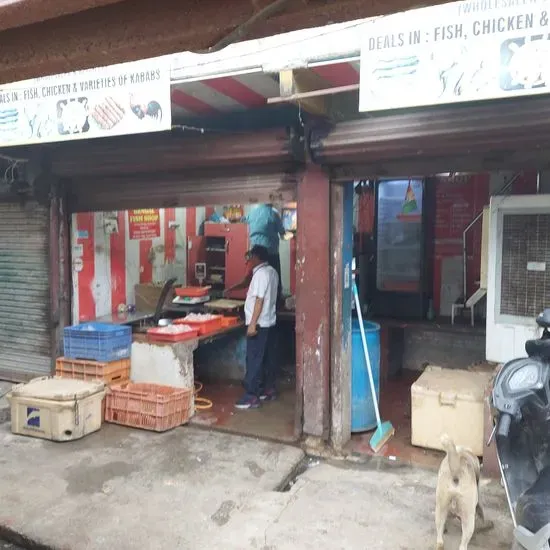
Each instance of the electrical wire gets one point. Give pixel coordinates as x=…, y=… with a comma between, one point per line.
x=201, y=403
x=12, y=159
x=9, y=174
x=244, y=29
x=342, y=27
x=202, y=130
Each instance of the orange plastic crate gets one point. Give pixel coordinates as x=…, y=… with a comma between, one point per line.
x=114, y=372
x=148, y=406
x=204, y=327
x=230, y=321
x=193, y=291
x=156, y=335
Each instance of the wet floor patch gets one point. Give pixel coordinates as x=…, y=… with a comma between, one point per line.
x=84, y=478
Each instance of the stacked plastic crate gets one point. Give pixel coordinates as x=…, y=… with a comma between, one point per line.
x=96, y=351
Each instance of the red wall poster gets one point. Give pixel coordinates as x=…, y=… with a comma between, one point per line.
x=144, y=224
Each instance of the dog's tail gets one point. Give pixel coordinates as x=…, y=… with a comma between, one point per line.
x=454, y=457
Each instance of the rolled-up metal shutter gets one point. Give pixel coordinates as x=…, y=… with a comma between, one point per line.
x=25, y=340
x=474, y=137
x=172, y=190
x=168, y=170
x=154, y=154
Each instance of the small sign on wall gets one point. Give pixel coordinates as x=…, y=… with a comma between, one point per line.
x=144, y=224
x=536, y=266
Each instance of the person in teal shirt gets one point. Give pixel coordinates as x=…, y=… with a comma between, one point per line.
x=266, y=229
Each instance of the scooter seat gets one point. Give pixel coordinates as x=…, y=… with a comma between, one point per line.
x=533, y=507
x=538, y=348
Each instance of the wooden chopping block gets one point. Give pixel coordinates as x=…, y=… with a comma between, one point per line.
x=225, y=304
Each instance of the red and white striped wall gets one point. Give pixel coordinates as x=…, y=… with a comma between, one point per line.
x=107, y=265
x=247, y=91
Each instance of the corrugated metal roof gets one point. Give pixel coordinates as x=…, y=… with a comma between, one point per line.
x=19, y=13
x=75, y=36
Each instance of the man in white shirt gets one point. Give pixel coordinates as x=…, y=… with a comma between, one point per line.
x=261, y=317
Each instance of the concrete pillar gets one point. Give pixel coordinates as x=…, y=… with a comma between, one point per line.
x=313, y=269
x=341, y=228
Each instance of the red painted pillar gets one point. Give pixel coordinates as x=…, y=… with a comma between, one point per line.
x=313, y=272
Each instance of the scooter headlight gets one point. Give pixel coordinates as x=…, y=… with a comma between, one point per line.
x=526, y=377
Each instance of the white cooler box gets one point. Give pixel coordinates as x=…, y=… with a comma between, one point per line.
x=449, y=401
x=59, y=409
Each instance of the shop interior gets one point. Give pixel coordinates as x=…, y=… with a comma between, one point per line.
x=420, y=247
x=414, y=239
x=160, y=269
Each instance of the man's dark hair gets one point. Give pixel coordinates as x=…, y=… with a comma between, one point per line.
x=259, y=252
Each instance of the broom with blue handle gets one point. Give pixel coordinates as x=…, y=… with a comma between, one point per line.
x=384, y=430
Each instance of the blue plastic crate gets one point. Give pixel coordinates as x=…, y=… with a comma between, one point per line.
x=97, y=342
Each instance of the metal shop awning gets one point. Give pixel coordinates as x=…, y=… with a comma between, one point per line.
x=494, y=135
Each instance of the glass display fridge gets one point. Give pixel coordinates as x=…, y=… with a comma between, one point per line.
x=403, y=232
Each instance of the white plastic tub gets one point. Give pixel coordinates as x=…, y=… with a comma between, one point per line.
x=58, y=409
x=449, y=401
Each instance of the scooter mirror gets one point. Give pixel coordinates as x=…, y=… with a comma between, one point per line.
x=543, y=320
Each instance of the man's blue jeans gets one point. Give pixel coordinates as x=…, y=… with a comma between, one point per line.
x=261, y=362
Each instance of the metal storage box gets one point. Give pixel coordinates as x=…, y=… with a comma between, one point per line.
x=449, y=401
x=59, y=409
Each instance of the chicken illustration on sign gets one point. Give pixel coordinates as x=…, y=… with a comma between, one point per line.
x=122, y=99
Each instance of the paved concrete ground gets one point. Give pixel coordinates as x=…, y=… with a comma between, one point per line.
x=192, y=488
x=343, y=507
x=127, y=489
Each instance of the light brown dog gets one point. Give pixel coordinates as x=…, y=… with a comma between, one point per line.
x=458, y=493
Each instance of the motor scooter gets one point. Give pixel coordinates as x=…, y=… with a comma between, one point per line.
x=521, y=411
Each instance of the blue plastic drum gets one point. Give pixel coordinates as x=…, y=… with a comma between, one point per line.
x=363, y=417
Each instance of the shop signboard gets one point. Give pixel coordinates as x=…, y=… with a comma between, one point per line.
x=459, y=52
x=144, y=224
x=129, y=98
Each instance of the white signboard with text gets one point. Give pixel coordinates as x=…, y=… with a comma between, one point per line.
x=129, y=98
x=465, y=51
